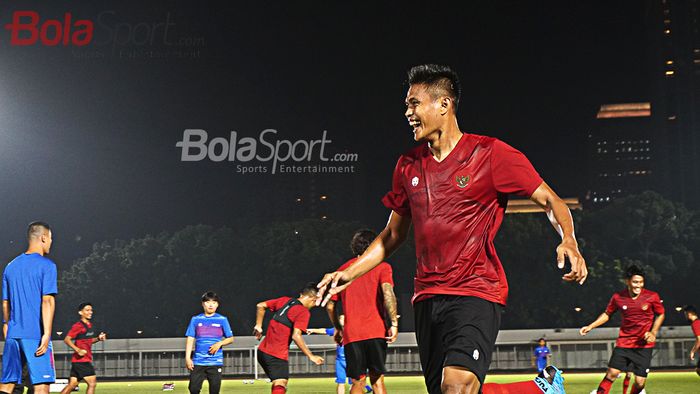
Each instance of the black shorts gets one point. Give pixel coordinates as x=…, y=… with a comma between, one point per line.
x=81, y=370
x=636, y=360
x=455, y=331
x=275, y=368
x=368, y=355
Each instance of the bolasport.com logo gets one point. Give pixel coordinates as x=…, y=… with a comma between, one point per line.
x=267, y=153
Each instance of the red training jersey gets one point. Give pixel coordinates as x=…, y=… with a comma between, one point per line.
x=457, y=206
x=695, y=325
x=82, y=334
x=363, y=304
x=637, y=316
x=279, y=336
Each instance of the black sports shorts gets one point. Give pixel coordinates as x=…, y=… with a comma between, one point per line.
x=368, y=355
x=275, y=368
x=81, y=370
x=636, y=360
x=455, y=331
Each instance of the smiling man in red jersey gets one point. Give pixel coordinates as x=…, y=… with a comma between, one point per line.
x=453, y=188
x=638, y=330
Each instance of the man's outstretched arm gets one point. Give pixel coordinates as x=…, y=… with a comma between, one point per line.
x=382, y=247
x=560, y=217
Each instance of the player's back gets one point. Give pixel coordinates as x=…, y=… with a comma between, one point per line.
x=25, y=280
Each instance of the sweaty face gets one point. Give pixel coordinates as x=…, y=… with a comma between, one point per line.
x=422, y=111
x=635, y=284
x=210, y=306
x=86, y=312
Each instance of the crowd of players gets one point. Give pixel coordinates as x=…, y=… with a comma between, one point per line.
x=453, y=190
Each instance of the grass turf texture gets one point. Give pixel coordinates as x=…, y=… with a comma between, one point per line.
x=658, y=383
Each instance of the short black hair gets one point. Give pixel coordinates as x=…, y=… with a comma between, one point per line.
x=542, y=339
x=690, y=309
x=438, y=78
x=633, y=270
x=35, y=229
x=83, y=305
x=309, y=289
x=210, y=296
x=361, y=240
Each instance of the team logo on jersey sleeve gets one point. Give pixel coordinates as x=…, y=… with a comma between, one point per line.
x=624, y=307
x=414, y=181
x=462, y=180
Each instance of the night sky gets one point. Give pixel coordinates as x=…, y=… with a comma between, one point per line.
x=88, y=134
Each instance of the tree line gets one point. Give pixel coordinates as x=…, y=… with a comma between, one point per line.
x=153, y=284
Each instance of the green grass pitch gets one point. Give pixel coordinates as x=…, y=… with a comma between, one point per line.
x=658, y=383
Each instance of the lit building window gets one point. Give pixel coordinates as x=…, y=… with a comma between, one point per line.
x=669, y=62
x=667, y=31
x=669, y=73
x=672, y=117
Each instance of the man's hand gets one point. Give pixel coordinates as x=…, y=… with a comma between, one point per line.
x=393, y=334
x=4, y=330
x=189, y=364
x=81, y=352
x=102, y=337
x=257, y=331
x=214, y=348
x=331, y=284
x=43, y=345
x=584, y=330
x=692, y=353
x=338, y=337
x=650, y=337
x=569, y=249
x=318, y=360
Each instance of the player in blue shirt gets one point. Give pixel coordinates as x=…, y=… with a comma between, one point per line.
x=207, y=333
x=541, y=355
x=28, y=305
x=340, y=364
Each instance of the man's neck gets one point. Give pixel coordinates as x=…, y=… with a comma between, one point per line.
x=209, y=314
x=84, y=320
x=444, y=140
x=634, y=296
x=35, y=249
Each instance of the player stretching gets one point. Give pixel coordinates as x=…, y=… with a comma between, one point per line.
x=81, y=364
x=638, y=330
x=207, y=333
x=28, y=305
x=289, y=321
x=364, y=333
x=454, y=189
x=692, y=315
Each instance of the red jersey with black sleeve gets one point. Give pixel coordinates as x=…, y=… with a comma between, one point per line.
x=695, y=325
x=83, y=334
x=457, y=206
x=637, y=316
x=363, y=304
x=279, y=336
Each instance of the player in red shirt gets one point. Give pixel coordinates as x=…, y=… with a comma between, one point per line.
x=453, y=188
x=365, y=334
x=84, y=335
x=638, y=330
x=692, y=315
x=289, y=321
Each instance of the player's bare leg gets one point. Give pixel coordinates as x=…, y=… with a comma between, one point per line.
x=459, y=380
x=91, y=383
x=72, y=384
x=377, y=382
x=7, y=387
x=639, y=383
x=41, y=388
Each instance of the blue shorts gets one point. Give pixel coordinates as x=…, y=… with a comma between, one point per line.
x=541, y=364
x=41, y=369
x=340, y=374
